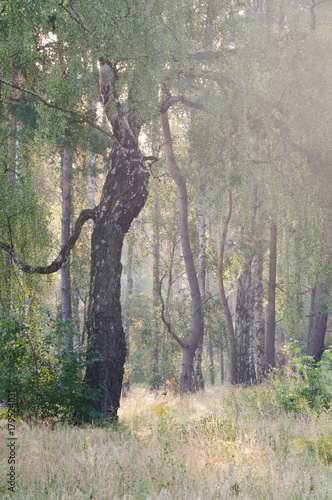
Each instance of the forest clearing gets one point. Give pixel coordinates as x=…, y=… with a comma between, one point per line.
x=221, y=444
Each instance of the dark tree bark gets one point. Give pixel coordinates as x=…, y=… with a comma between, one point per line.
x=123, y=196
x=66, y=302
x=189, y=347
x=271, y=315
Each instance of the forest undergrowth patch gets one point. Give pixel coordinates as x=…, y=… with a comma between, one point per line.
x=223, y=443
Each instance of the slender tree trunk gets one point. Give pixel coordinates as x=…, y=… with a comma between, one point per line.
x=271, y=315
x=155, y=381
x=211, y=363
x=198, y=382
x=189, y=348
x=66, y=302
x=242, y=325
x=259, y=318
x=92, y=185
x=169, y=294
x=210, y=345
x=252, y=300
x=229, y=320
x=222, y=366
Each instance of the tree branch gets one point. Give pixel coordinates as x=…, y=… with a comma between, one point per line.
x=173, y=99
x=78, y=116
x=64, y=253
x=77, y=19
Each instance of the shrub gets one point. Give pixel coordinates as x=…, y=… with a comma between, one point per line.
x=48, y=381
x=308, y=387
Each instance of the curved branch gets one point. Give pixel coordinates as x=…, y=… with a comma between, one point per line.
x=173, y=99
x=64, y=253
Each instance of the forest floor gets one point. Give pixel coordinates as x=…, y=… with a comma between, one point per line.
x=223, y=443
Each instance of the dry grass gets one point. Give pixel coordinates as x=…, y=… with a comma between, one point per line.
x=224, y=443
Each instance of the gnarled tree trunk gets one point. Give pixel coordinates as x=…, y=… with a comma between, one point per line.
x=124, y=195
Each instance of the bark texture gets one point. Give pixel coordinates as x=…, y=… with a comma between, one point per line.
x=124, y=195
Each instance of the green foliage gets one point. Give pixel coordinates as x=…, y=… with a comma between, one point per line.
x=47, y=379
x=324, y=445
x=309, y=387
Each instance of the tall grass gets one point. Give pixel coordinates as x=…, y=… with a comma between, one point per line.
x=221, y=444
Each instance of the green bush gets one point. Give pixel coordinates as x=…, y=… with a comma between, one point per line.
x=48, y=381
x=309, y=387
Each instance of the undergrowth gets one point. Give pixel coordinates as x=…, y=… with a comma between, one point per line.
x=222, y=444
